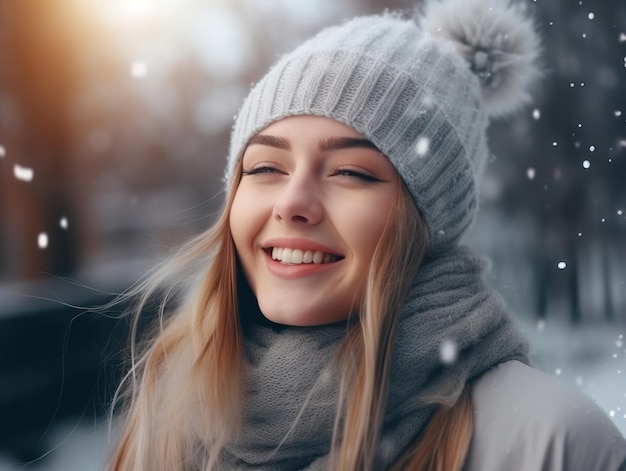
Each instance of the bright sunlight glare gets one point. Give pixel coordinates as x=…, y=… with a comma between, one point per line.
x=134, y=10
x=135, y=13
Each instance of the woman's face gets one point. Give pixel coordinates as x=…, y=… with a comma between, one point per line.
x=307, y=215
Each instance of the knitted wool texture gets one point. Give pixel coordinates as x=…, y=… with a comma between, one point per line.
x=291, y=386
x=410, y=93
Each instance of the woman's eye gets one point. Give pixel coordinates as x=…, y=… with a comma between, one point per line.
x=259, y=170
x=349, y=173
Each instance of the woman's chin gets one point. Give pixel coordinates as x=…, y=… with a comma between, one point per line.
x=301, y=317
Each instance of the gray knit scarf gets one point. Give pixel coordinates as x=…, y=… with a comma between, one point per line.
x=291, y=393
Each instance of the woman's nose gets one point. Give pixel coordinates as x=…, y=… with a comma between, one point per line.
x=299, y=201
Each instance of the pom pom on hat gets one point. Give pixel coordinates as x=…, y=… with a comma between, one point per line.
x=498, y=40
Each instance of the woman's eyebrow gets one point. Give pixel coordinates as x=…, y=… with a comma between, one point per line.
x=272, y=141
x=337, y=143
x=325, y=145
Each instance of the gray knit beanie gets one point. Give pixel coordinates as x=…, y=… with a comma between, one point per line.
x=421, y=89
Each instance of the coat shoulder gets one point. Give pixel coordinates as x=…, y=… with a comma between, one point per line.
x=525, y=419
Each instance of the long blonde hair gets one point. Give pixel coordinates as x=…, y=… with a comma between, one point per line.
x=183, y=392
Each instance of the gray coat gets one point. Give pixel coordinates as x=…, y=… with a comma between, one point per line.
x=526, y=421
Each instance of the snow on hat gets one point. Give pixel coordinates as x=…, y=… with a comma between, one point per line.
x=422, y=90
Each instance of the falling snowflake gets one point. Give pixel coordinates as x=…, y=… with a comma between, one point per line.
x=586, y=164
x=326, y=376
x=3, y=151
x=536, y=114
x=591, y=15
x=530, y=173
x=558, y=371
x=541, y=325
x=592, y=148
x=422, y=146
x=139, y=69
x=562, y=265
x=23, y=173
x=428, y=101
x=63, y=223
x=448, y=352
x=42, y=240
x=386, y=448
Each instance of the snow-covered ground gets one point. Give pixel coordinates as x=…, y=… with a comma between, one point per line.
x=592, y=359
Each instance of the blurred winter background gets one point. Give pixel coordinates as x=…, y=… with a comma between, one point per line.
x=114, y=124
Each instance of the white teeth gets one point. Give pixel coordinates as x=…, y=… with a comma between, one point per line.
x=318, y=257
x=286, y=257
x=277, y=253
x=307, y=257
x=298, y=256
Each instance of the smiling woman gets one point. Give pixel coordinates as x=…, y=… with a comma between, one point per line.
x=308, y=214
x=330, y=319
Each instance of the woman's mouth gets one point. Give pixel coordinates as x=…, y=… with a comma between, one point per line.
x=288, y=256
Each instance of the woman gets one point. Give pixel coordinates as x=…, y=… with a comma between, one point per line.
x=333, y=321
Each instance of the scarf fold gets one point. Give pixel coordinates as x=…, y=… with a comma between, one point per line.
x=292, y=387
